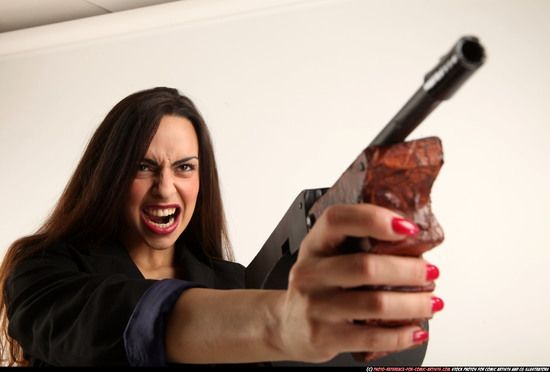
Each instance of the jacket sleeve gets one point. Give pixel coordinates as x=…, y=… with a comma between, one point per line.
x=65, y=313
x=144, y=336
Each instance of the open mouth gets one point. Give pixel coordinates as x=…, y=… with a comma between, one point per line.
x=161, y=220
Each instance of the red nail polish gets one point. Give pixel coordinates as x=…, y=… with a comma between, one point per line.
x=403, y=226
x=437, y=304
x=432, y=272
x=420, y=336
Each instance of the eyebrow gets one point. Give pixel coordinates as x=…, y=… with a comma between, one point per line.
x=177, y=162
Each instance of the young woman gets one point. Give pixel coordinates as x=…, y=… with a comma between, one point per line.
x=133, y=266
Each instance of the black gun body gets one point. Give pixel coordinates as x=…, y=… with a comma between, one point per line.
x=271, y=266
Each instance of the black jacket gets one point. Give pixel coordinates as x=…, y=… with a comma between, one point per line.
x=70, y=305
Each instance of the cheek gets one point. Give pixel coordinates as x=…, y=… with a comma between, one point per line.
x=192, y=191
x=188, y=192
x=135, y=195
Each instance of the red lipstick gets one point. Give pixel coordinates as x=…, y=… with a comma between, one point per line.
x=161, y=219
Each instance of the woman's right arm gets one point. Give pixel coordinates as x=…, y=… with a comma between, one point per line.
x=311, y=321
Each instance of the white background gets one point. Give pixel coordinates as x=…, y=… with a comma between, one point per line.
x=292, y=93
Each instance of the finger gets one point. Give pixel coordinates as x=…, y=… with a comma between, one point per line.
x=358, y=269
x=380, y=339
x=355, y=220
x=384, y=305
x=349, y=337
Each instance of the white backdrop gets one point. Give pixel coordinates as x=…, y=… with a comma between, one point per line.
x=292, y=92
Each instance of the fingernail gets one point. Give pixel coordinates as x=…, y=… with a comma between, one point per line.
x=403, y=226
x=420, y=336
x=432, y=272
x=437, y=304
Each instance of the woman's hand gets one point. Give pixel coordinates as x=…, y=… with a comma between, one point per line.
x=316, y=318
x=313, y=320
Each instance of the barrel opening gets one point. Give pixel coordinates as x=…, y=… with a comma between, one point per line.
x=472, y=51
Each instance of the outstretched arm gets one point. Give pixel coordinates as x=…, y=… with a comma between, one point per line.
x=313, y=320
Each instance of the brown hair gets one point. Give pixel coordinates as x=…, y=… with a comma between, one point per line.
x=106, y=172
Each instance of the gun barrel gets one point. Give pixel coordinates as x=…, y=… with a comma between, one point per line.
x=454, y=68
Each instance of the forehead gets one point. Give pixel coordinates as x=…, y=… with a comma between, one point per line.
x=175, y=137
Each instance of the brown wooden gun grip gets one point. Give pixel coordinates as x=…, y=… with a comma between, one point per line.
x=398, y=177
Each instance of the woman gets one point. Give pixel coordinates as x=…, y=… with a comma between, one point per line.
x=133, y=265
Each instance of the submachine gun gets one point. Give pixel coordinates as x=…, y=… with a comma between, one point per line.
x=391, y=173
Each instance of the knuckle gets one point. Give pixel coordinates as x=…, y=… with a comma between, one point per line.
x=297, y=277
x=378, y=303
x=389, y=339
x=374, y=216
x=373, y=341
x=367, y=267
x=303, y=277
x=332, y=215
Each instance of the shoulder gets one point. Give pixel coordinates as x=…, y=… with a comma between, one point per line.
x=109, y=257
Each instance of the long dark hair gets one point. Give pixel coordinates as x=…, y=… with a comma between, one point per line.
x=105, y=173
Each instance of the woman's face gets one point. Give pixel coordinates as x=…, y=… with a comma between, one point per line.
x=163, y=195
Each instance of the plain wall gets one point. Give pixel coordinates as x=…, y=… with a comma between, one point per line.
x=292, y=92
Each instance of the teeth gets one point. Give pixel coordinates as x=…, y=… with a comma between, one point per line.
x=163, y=225
x=161, y=212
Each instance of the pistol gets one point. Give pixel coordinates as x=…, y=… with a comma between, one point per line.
x=391, y=173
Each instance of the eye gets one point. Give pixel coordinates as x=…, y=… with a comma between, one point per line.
x=144, y=167
x=186, y=167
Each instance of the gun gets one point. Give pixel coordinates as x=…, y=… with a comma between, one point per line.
x=389, y=172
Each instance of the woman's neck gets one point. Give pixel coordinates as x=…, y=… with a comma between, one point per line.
x=153, y=263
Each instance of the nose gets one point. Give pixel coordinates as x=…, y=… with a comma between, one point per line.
x=164, y=186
